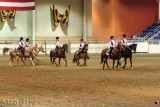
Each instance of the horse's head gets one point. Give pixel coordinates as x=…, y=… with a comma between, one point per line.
x=85, y=48
x=41, y=49
x=65, y=47
x=120, y=46
x=134, y=47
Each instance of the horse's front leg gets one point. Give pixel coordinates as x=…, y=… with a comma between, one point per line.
x=113, y=64
x=85, y=62
x=34, y=57
x=104, y=63
x=125, y=61
x=59, y=61
x=31, y=61
x=117, y=63
x=131, y=63
x=65, y=62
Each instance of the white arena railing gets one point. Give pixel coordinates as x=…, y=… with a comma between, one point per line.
x=95, y=46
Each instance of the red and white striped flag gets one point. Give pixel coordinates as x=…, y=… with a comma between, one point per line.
x=17, y=5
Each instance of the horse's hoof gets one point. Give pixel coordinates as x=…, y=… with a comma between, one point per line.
x=131, y=68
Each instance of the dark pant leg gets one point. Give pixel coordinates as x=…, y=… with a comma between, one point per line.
x=22, y=50
x=110, y=52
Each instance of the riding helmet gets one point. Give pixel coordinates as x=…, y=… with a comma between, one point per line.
x=111, y=37
x=124, y=35
x=21, y=38
x=27, y=39
x=81, y=39
x=57, y=37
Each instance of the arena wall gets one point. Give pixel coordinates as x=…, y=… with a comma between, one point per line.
x=44, y=24
x=134, y=17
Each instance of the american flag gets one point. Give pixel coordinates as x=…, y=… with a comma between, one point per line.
x=17, y=5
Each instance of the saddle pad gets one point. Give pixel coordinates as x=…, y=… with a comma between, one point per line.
x=53, y=51
x=16, y=50
x=107, y=53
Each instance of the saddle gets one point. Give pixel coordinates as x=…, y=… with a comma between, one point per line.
x=17, y=50
x=107, y=52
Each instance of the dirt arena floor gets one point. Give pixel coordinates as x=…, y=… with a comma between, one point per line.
x=46, y=85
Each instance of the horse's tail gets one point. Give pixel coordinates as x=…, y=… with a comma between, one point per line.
x=5, y=50
x=51, y=56
x=74, y=59
x=102, y=58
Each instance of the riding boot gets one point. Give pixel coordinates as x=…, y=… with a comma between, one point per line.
x=78, y=55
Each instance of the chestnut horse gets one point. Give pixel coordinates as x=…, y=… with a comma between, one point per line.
x=127, y=53
x=13, y=54
x=116, y=55
x=35, y=53
x=83, y=55
x=61, y=54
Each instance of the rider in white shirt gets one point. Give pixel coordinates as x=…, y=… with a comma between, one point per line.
x=81, y=45
x=21, y=46
x=112, y=44
x=58, y=45
x=124, y=41
x=27, y=42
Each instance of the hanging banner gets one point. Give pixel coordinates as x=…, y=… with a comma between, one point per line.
x=10, y=14
x=17, y=5
x=64, y=17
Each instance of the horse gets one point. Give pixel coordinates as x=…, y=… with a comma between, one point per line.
x=13, y=54
x=83, y=55
x=127, y=53
x=116, y=55
x=35, y=53
x=61, y=54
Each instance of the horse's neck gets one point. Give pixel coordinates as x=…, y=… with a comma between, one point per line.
x=30, y=48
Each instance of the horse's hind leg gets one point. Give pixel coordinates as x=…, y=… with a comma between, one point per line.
x=10, y=62
x=107, y=64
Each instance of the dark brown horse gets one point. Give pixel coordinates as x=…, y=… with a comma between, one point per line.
x=127, y=53
x=83, y=55
x=61, y=54
x=116, y=55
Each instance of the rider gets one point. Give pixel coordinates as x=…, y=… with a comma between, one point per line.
x=112, y=44
x=27, y=42
x=80, y=47
x=124, y=41
x=22, y=46
x=58, y=45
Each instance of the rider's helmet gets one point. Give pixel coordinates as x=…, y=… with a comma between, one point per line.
x=111, y=37
x=81, y=40
x=57, y=37
x=124, y=35
x=27, y=39
x=21, y=38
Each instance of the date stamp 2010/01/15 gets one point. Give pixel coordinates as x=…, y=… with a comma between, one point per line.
x=19, y=102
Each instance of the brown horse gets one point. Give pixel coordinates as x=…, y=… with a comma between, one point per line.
x=13, y=54
x=61, y=54
x=127, y=53
x=83, y=55
x=116, y=55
